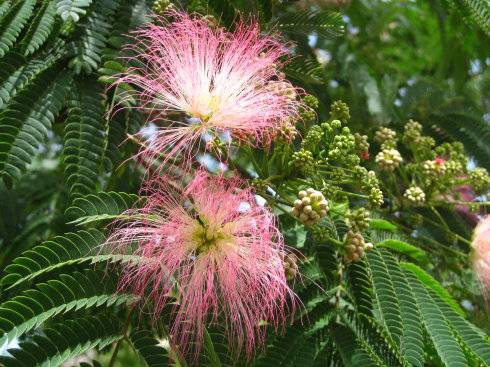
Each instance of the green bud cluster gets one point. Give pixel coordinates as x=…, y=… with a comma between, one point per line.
x=388, y=159
x=330, y=191
x=358, y=219
x=376, y=197
x=287, y=132
x=434, y=167
x=259, y=185
x=424, y=147
x=313, y=137
x=412, y=132
x=161, y=6
x=338, y=174
x=340, y=111
x=453, y=168
x=304, y=160
x=341, y=146
x=329, y=143
x=330, y=127
x=453, y=151
x=331, y=153
x=290, y=266
x=370, y=185
x=415, y=195
x=311, y=101
x=320, y=233
x=361, y=142
x=480, y=179
x=307, y=113
x=310, y=207
x=355, y=247
x=352, y=160
x=386, y=137
x=368, y=179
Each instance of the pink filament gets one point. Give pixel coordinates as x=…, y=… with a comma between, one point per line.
x=481, y=255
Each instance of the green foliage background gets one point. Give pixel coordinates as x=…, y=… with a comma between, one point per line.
x=65, y=174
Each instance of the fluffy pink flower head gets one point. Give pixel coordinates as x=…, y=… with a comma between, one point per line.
x=197, y=82
x=217, y=251
x=481, y=255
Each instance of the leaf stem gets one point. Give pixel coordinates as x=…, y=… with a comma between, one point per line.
x=125, y=332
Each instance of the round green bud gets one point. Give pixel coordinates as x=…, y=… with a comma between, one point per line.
x=389, y=159
x=415, y=195
x=310, y=207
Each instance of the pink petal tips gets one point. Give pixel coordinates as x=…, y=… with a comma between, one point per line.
x=197, y=82
x=481, y=254
x=209, y=252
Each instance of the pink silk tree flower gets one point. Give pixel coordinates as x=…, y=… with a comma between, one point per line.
x=210, y=253
x=197, y=82
x=481, y=254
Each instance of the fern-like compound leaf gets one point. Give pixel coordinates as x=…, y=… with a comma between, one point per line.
x=101, y=206
x=384, y=290
x=324, y=23
x=67, y=292
x=149, y=348
x=26, y=122
x=13, y=22
x=438, y=327
x=85, y=138
x=69, y=249
x=72, y=9
x=40, y=28
x=64, y=340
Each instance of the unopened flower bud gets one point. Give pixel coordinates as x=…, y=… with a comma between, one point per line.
x=259, y=185
x=340, y=111
x=412, y=132
x=386, y=136
x=336, y=124
x=320, y=233
x=287, y=132
x=358, y=219
x=310, y=207
x=389, y=159
x=313, y=137
x=355, y=247
x=436, y=167
x=415, y=195
x=376, y=197
x=480, y=179
x=290, y=266
x=311, y=101
x=303, y=159
x=162, y=6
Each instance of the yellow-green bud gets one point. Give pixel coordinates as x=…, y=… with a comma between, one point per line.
x=385, y=136
x=389, y=159
x=415, y=195
x=355, y=247
x=310, y=207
